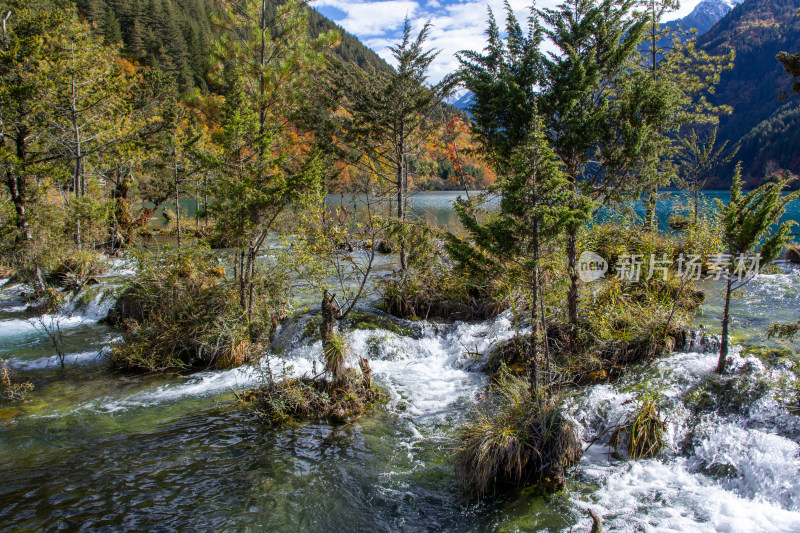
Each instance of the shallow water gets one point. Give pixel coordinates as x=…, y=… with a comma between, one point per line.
x=92, y=450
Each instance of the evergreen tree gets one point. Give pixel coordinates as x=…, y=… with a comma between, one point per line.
x=791, y=64
x=89, y=112
x=265, y=65
x=536, y=205
x=685, y=77
x=24, y=89
x=599, y=106
x=390, y=113
x=699, y=158
x=747, y=221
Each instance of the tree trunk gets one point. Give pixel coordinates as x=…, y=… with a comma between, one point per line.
x=177, y=207
x=16, y=186
x=401, y=208
x=197, y=206
x=534, y=344
x=723, y=348
x=650, y=216
x=330, y=314
x=572, y=295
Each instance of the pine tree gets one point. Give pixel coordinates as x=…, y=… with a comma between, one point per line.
x=698, y=159
x=24, y=90
x=536, y=205
x=390, y=113
x=265, y=65
x=599, y=106
x=747, y=221
x=791, y=64
x=89, y=113
x=685, y=77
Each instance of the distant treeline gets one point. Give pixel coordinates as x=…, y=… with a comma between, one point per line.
x=175, y=36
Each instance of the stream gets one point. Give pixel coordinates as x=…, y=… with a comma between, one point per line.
x=91, y=450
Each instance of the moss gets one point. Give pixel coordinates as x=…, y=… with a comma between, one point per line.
x=727, y=394
x=375, y=322
x=768, y=354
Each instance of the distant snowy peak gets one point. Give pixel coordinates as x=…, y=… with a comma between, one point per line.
x=461, y=98
x=707, y=13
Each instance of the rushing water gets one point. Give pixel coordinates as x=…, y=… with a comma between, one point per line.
x=92, y=450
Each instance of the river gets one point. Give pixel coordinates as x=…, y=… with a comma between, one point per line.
x=91, y=450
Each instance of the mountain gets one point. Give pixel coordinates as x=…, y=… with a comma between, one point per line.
x=175, y=35
x=461, y=99
x=705, y=15
x=764, y=127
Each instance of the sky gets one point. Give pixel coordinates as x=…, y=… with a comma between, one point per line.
x=457, y=24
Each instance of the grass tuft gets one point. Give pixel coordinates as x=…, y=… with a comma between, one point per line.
x=515, y=440
x=642, y=435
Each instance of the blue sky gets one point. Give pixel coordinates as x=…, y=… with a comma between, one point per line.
x=457, y=25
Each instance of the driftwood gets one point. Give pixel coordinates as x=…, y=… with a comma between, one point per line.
x=366, y=371
x=597, y=523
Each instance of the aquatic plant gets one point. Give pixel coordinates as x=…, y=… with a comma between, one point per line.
x=284, y=400
x=10, y=390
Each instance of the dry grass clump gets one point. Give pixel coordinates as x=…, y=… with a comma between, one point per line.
x=515, y=440
x=301, y=399
x=623, y=324
x=181, y=313
x=642, y=435
x=12, y=391
x=442, y=295
x=433, y=287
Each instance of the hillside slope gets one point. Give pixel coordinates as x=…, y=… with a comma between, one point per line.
x=766, y=128
x=176, y=35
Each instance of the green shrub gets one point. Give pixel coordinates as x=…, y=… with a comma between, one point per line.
x=180, y=312
x=432, y=288
x=77, y=269
x=612, y=240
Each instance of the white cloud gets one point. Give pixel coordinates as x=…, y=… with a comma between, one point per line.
x=365, y=19
x=456, y=26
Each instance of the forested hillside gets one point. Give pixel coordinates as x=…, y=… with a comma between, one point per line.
x=176, y=35
x=765, y=125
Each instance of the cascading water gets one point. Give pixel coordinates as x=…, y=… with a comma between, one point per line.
x=92, y=449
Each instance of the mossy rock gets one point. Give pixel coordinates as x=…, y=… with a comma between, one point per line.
x=769, y=354
x=793, y=253
x=370, y=321
x=726, y=394
x=508, y=354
